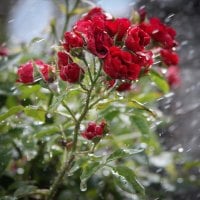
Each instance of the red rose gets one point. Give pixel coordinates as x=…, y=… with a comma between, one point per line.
x=118, y=65
x=173, y=76
x=117, y=27
x=101, y=43
x=72, y=40
x=71, y=73
x=143, y=58
x=47, y=71
x=94, y=130
x=142, y=13
x=160, y=32
x=136, y=39
x=3, y=51
x=63, y=59
x=97, y=40
x=126, y=86
x=95, y=13
x=25, y=73
x=169, y=57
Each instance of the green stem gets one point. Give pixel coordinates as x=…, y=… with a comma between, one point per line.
x=69, y=14
x=84, y=112
x=69, y=110
x=66, y=165
x=88, y=68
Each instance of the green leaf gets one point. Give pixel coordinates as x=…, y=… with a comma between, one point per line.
x=138, y=105
x=8, y=198
x=127, y=180
x=26, y=91
x=102, y=106
x=141, y=123
x=122, y=153
x=89, y=169
x=148, y=97
x=24, y=190
x=79, y=11
x=36, y=40
x=58, y=101
x=46, y=132
x=160, y=81
x=35, y=112
x=12, y=111
x=4, y=159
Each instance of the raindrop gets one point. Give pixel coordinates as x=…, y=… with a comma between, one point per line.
x=180, y=150
x=83, y=185
x=106, y=172
x=49, y=115
x=20, y=170
x=179, y=180
x=50, y=155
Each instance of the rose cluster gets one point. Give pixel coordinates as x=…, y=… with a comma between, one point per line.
x=164, y=43
x=95, y=130
x=126, y=49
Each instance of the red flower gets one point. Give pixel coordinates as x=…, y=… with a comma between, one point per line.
x=95, y=13
x=136, y=39
x=143, y=58
x=118, y=65
x=126, y=86
x=94, y=130
x=142, y=13
x=97, y=40
x=160, y=32
x=72, y=40
x=47, y=71
x=117, y=27
x=169, y=57
x=3, y=51
x=173, y=76
x=71, y=73
x=63, y=59
x=25, y=73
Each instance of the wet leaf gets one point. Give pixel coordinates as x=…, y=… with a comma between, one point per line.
x=8, y=198
x=160, y=81
x=138, y=105
x=24, y=190
x=4, y=159
x=35, y=112
x=141, y=123
x=122, y=153
x=89, y=169
x=46, y=132
x=127, y=180
x=36, y=40
x=12, y=111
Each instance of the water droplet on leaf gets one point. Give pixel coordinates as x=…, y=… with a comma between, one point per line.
x=83, y=185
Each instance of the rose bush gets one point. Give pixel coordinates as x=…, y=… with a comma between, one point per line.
x=85, y=109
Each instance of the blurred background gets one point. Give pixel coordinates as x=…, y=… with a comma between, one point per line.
x=22, y=20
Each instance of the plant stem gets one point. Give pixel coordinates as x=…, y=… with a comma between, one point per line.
x=67, y=163
x=69, y=14
x=84, y=112
x=64, y=168
x=69, y=110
